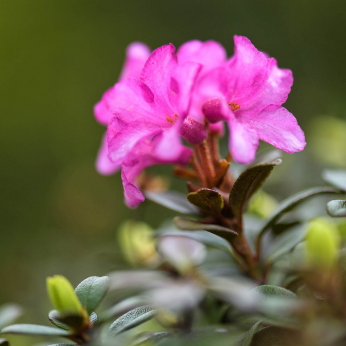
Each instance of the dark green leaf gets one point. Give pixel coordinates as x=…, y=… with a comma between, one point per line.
x=74, y=321
x=142, y=339
x=274, y=336
x=33, y=329
x=207, y=200
x=289, y=203
x=9, y=313
x=247, y=184
x=250, y=334
x=337, y=208
x=173, y=200
x=91, y=291
x=204, y=237
x=335, y=177
x=4, y=342
x=54, y=316
x=190, y=225
x=132, y=319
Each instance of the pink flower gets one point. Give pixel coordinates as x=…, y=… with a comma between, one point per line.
x=148, y=117
x=136, y=55
x=248, y=93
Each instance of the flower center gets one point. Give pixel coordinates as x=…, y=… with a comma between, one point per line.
x=171, y=120
x=234, y=106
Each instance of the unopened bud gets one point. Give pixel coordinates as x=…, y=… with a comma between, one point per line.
x=322, y=244
x=63, y=296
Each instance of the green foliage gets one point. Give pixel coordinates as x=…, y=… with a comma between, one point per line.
x=337, y=208
x=209, y=201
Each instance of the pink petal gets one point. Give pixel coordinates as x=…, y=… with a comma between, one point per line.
x=137, y=54
x=157, y=75
x=103, y=164
x=218, y=128
x=277, y=126
x=132, y=101
x=133, y=196
x=102, y=114
x=209, y=54
x=123, y=137
x=182, y=84
x=243, y=142
x=255, y=81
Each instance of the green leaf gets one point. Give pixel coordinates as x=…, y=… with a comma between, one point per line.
x=63, y=344
x=9, y=313
x=33, y=329
x=269, y=291
x=122, y=307
x=132, y=319
x=4, y=342
x=204, y=237
x=142, y=339
x=186, y=224
x=247, y=184
x=53, y=317
x=207, y=200
x=250, y=334
x=335, y=177
x=267, y=156
x=291, y=202
x=337, y=208
x=91, y=291
x=93, y=318
x=173, y=200
x=274, y=336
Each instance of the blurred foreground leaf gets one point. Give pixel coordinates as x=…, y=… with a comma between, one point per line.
x=335, y=177
x=173, y=200
x=337, y=208
x=9, y=313
x=132, y=319
x=250, y=334
x=143, y=339
x=33, y=329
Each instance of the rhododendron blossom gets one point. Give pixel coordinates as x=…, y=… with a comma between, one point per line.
x=248, y=93
x=164, y=97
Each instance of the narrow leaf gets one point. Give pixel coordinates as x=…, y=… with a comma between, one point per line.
x=33, y=329
x=132, y=319
x=335, y=177
x=276, y=336
x=207, y=200
x=93, y=318
x=9, y=313
x=267, y=156
x=291, y=202
x=91, y=291
x=250, y=334
x=204, y=237
x=247, y=184
x=337, y=208
x=190, y=225
x=143, y=339
x=173, y=200
x=269, y=291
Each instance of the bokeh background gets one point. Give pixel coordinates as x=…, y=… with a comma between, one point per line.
x=57, y=57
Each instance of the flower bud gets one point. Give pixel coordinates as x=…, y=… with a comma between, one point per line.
x=322, y=244
x=63, y=296
x=137, y=244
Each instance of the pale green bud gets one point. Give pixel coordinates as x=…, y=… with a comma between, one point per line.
x=63, y=296
x=322, y=244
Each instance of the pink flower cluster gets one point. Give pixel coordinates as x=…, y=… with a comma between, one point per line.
x=163, y=97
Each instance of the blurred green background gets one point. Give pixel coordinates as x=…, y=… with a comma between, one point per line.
x=58, y=216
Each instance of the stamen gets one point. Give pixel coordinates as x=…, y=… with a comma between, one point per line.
x=234, y=106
